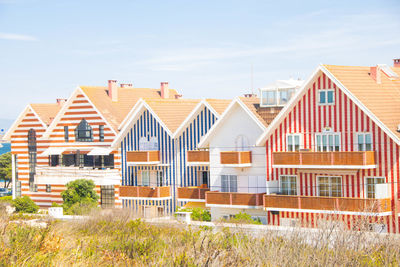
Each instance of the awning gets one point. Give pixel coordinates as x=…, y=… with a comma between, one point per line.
x=100, y=151
x=53, y=151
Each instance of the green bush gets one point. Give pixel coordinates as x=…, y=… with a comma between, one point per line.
x=25, y=204
x=56, y=205
x=243, y=217
x=79, y=196
x=6, y=199
x=198, y=214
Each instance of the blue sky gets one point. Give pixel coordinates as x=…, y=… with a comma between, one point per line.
x=203, y=48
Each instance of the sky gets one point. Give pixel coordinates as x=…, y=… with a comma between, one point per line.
x=204, y=49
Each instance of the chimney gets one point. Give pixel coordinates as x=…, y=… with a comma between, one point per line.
x=61, y=101
x=396, y=62
x=250, y=95
x=375, y=73
x=164, y=90
x=178, y=96
x=113, y=90
x=126, y=85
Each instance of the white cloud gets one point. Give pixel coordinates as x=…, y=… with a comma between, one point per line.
x=17, y=37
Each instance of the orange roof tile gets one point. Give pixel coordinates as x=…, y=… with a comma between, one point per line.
x=219, y=105
x=46, y=112
x=264, y=114
x=115, y=112
x=172, y=112
x=383, y=100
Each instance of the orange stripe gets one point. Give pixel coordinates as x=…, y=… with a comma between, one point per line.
x=80, y=107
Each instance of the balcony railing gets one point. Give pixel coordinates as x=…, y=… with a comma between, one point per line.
x=143, y=157
x=272, y=202
x=192, y=193
x=236, y=157
x=234, y=199
x=307, y=159
x=144, y=192
x=198, y=157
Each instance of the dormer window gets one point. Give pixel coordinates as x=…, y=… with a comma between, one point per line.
x=276, y=97
x=84, y=132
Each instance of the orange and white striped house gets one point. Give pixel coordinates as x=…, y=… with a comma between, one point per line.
x=53, y=144
x=334, y=149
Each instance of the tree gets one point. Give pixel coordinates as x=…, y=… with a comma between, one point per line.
x=79, y=191
x=6, y=169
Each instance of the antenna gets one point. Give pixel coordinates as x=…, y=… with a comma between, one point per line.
x=252, y=80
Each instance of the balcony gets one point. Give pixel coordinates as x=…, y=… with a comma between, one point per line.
x=234, y=199
x=143, y=157
x=236, y=158
x=64, y=175
x=195, y=157
x=145, y=192
x=194, y=194
x=326, y=160
x=334, y=204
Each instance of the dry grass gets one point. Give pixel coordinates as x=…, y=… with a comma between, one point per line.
x=114, y=239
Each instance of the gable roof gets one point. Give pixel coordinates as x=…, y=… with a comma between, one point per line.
x=380, y=102
x=251, y=105
x=115, y=112
x=46, y=112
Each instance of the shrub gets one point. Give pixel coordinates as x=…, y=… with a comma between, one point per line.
x=198, y=214
x=56, y=205
x=25, y=204
x=83, y=207
x=243, y=217
x=6, y=199
x=79, y=191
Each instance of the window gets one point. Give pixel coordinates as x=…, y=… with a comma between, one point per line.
x=328, y=142
x=48, y=188
x=364, y=141
x=83, y=132
x=269, y=98
x=371, y=182
x=32, y=157
x=101, y=133
x=204, y=177
x=228, y=183
x=146, y=145
x=285, y=95
x=293, y=142
x=242, y=143
x=153, y=144
x=66, y=134
x=160, y=178
x=288, y=184
x=326, y=97
x=330, y=186
x=54, y=160
x=143, y=144
x=107, y=196
x=145, y=178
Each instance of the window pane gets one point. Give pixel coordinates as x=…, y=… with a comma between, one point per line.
x=337, y=142
x=322, y=99
x=331, y=99
x=368, y=142
x=271, y=97
x=331, y=148
x=324, y=143
x=290, y=143
x=283, y=97
x=319, y=143
x=296, y=143
x=233, y=183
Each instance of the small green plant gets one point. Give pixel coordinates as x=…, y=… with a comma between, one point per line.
x=6, y=199
x=25, y=204
x=244, y=218
x=79, y=197
x=56, y=205
x=198, y=214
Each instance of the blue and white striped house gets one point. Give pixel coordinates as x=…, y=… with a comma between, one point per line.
x=158, y=141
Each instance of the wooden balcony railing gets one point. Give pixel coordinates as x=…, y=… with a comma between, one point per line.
x=355, y=158
x=195, y=193
x=234, y=199
x=195, y=156
x=142, y=156
x=236, y=157
x=327, y=203
x=144, y=191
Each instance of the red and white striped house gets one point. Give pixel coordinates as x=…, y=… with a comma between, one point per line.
x=53, y=144
x=334, y=149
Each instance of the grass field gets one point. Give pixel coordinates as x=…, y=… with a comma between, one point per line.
x=117, y=240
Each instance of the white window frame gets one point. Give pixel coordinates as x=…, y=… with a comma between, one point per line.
x=230, y=188
x=277, y=96
x=242, y=143
x=143, y=143
x=366, y=184
x=328, y=147
x=326, y=97
x=364, y=134
x=287, y=141
x=330, y=190
x=297, y=184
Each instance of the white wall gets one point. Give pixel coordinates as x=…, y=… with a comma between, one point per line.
x=238, y=123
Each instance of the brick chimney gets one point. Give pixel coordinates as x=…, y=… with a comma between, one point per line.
x=396, y=62
x=126, y=85
x=164, y=90
x=61, y=101
x=113, y=90
x=375, y=73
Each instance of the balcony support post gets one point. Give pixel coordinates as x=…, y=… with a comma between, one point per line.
x=198, y=190
x=301, y=158
x=299, y=202
x=337, y=203
x=230, y=199
x=137, y=191
x=332, y=158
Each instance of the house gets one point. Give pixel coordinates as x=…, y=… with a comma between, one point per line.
x=54, y=144
x=157, y=141
x=237, y=165
x=334, y=149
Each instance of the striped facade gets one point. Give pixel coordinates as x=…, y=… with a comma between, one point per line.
x=307, y=118
x=176, y=172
